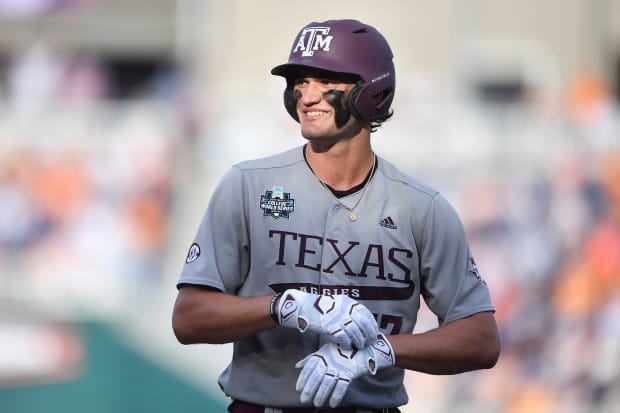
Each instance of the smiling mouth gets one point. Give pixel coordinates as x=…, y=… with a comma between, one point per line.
x=316, y=113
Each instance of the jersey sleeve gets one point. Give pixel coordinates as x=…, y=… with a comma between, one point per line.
x=451, y=284
x=218, y=256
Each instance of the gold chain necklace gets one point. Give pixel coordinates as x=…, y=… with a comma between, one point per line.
x=352, y=214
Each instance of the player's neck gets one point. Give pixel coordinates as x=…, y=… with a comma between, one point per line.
x=341, y=168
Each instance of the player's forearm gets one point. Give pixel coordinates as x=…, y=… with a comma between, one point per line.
x=463, y=345
x=212, y=317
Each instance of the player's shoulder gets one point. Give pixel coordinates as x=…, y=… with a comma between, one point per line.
x=408, y=183
x=280, y=160
x=423, y=198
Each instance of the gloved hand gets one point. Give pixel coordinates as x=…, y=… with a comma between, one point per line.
x=342, y=319
x=327, y=373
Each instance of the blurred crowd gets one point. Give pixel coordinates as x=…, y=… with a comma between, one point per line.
x=547, y=240
x=82, y=223
x=85, y=182
x=551, y=248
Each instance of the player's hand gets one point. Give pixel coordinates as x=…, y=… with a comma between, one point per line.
x=327, y=373
x=344, y=320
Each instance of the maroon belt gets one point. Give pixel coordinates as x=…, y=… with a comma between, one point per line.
x=239, y=406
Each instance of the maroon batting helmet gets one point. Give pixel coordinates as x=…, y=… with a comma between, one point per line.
x=346, y=47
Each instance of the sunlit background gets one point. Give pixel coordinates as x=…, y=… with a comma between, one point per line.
x=117, y=117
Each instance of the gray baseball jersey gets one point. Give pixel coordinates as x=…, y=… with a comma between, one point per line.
x=270, y=225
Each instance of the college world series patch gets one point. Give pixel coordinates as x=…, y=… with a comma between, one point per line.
x=277, y=203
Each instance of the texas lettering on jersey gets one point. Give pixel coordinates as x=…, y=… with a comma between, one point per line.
x=374, y=263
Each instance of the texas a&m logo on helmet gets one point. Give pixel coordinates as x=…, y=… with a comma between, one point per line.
x=312, y=39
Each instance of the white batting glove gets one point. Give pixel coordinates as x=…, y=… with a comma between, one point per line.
x=327, y=373
x=339, y=317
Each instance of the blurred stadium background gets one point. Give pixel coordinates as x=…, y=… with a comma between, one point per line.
x=117, y=117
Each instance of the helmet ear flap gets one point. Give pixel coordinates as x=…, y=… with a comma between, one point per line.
x=370, y=101
x=351, y=100
x=290, y=102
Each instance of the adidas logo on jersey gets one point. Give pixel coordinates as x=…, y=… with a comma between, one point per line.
x=388, y=223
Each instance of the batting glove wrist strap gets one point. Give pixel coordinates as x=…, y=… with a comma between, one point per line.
x=340, y=318
x=272, y=307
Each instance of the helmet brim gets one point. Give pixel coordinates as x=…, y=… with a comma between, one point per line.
x=289, y=70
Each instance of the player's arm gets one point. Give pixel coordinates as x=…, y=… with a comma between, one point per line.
x=467, y=344
x=202, y=315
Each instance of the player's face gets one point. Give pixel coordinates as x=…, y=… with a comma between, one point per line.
x=317, y=115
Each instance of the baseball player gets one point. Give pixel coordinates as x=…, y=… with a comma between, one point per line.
x=313, y=261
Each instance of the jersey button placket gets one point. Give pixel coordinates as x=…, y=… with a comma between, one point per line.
x=335, y=229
